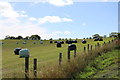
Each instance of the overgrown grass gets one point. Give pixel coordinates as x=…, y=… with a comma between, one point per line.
x=68, y=70
x=98, y=67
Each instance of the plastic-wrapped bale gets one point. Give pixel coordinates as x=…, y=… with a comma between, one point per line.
x=34, y=42
x=66, y=41
x=69, y=42
x=84, y=41
x=16, y=42
x=24, y=53
x=24, y=43
x=51, y=41
x=41, y=42
x=1, y=43
x=62, y=42
x=74, y=41
x=72, y=47
x=55, y=41
x=100, y=39
x=96, y=39
x=16, y=51
x=59, y=45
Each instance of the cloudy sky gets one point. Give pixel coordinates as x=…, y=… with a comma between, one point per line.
x=58, y=18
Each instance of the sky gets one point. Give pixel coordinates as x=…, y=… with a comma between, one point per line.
x=58, y=18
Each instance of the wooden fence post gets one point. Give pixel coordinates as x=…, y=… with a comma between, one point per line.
x=88, y=47
x=95, y=45
x=35, y=67
x=27, y=68
x=68, y=55
x=109, y=42
x=98, y=44
x=112, y=40
x=60, y=58
x=104, y=43
x=91, y=47
x=84, y=49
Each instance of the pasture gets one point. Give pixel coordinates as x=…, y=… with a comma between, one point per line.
x=47, y=54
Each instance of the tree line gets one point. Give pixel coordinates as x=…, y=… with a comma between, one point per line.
x=37, y=37
x=32, y=37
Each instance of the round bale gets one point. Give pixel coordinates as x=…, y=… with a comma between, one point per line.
x=59, y=45
x=84, y=41
x=70, y=42
x=100, y=39
x=24, y=43
x=62, y=42
x=74, y=41
x=51, y=41
x=96, y=39
x=16, y=42
x=72, y=47
x=16, y=51
x=24, y=53
x=41, y=42
x=55, y=41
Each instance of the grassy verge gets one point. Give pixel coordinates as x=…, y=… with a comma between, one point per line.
x=68, y=70
x=104, y=66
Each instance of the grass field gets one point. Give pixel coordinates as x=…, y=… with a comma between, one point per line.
x=46, y=53
x=105, y=66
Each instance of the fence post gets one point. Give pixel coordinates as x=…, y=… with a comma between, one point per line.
x=91, y=47
x=112, y=40
x=27, y=68
x=35, y=67
x=104, y=43
x=68, y=55
x=109, y=42
x=88, y=47
x=60, y=58
x=95, y=45
x=84, y=49
x=98, y=44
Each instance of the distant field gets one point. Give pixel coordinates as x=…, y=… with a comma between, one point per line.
x=46, y=53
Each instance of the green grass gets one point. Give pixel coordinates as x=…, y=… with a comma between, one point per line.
x=105, y=66
x=47, y=55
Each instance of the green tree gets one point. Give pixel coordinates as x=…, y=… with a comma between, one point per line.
x=95, y=36
x=113, y=34
x=12, y=37
x=19, y=37
x=60, y=39
x=50, y=39
x=90, y=37
x=35, y=37
x=104, y=36
x=65, y=38
x=27, y=37
x=7, y=37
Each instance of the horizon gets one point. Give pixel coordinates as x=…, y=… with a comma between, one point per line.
x=58, y=19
